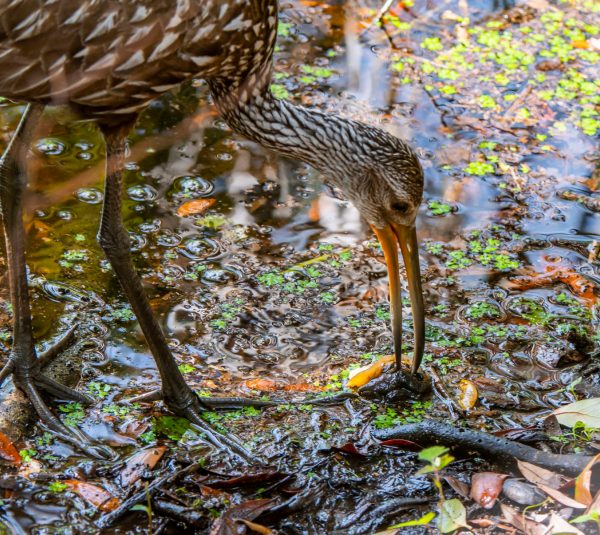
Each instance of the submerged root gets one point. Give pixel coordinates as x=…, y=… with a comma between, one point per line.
x=500, y=451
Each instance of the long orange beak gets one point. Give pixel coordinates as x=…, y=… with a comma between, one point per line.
x=390, y=237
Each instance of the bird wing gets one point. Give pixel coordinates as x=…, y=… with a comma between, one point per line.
x=113, y=56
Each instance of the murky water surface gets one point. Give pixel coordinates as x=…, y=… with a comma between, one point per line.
x=278, y=280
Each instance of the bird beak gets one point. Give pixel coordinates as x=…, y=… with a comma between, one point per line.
x=390, y=237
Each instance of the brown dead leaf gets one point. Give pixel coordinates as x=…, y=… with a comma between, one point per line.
x=138, y=463
x=8, y=452
x=558, y=496
x=521, y=522
x=583, y=482
x=229, y=522
x=541, y=476
x=560, y=525
x=485, y=488
x=459, y=486
x=195, y=207
x=93, y=494
x=258, y=528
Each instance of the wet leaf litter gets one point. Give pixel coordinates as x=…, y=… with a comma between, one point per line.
x=264, y=293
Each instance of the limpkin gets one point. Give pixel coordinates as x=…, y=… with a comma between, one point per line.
x=108, y=59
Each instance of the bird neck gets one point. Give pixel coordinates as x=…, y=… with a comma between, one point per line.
x=319, y=139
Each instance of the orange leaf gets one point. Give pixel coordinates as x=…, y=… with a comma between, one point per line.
x=8, y=452
x=195, y=207
x=94, y=495
x=138, y=463
x=583, y=482
x=581, y=43
x=363, y=375
x=264, y=385
x=468, y=394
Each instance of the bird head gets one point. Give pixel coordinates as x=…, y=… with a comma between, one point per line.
x=385, y=182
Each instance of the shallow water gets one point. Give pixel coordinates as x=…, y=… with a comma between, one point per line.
x=207, y=276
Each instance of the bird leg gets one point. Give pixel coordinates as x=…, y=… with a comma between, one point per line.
x=114, y=240
x=23, y=364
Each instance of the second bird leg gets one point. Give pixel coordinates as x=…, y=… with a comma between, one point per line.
x=114, y=240
x=23, y=364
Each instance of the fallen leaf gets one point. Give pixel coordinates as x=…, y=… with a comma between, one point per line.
x=560, y=525
x=459, y=486
x=228, y=522
x=362, y=376
x=521, y=522
x=583, y=482
x=452, y=516
x=138, y=463
x=580, y=43
x=262, y=385
x=423, y=521
x=8, y=452
x=267, y=385
x=595, y=505
x=586, y=411
x=558, y=496
x=468, y=394
x=258, y=528
x=541, y=476
x=485, y=488
x=93, y=494
x=195, y=207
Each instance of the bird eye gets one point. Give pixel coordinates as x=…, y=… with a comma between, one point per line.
x=401, y=207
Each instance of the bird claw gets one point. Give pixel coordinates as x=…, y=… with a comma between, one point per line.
x=191, y=408
x=396, y=385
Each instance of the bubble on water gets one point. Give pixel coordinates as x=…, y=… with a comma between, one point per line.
x=172, y=272
x=65, y=215
x=168, y=238
x=84, y=156
x=197, y=248
x=222, y=275
x=224, y=156
x=142, y=192
x=131, y=166
x=50, y=146
x=136, y=242
x=148, y=227
x=190, y=187
x=83, y=145
x=263, y=341
x=89, y=195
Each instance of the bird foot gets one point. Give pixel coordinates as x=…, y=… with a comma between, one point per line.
x=189, y=405
x=396, y=385
x=32, y=382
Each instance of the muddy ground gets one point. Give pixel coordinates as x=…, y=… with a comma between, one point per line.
x=278, y=290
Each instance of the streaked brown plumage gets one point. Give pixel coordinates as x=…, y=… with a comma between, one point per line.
x=109, y=59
